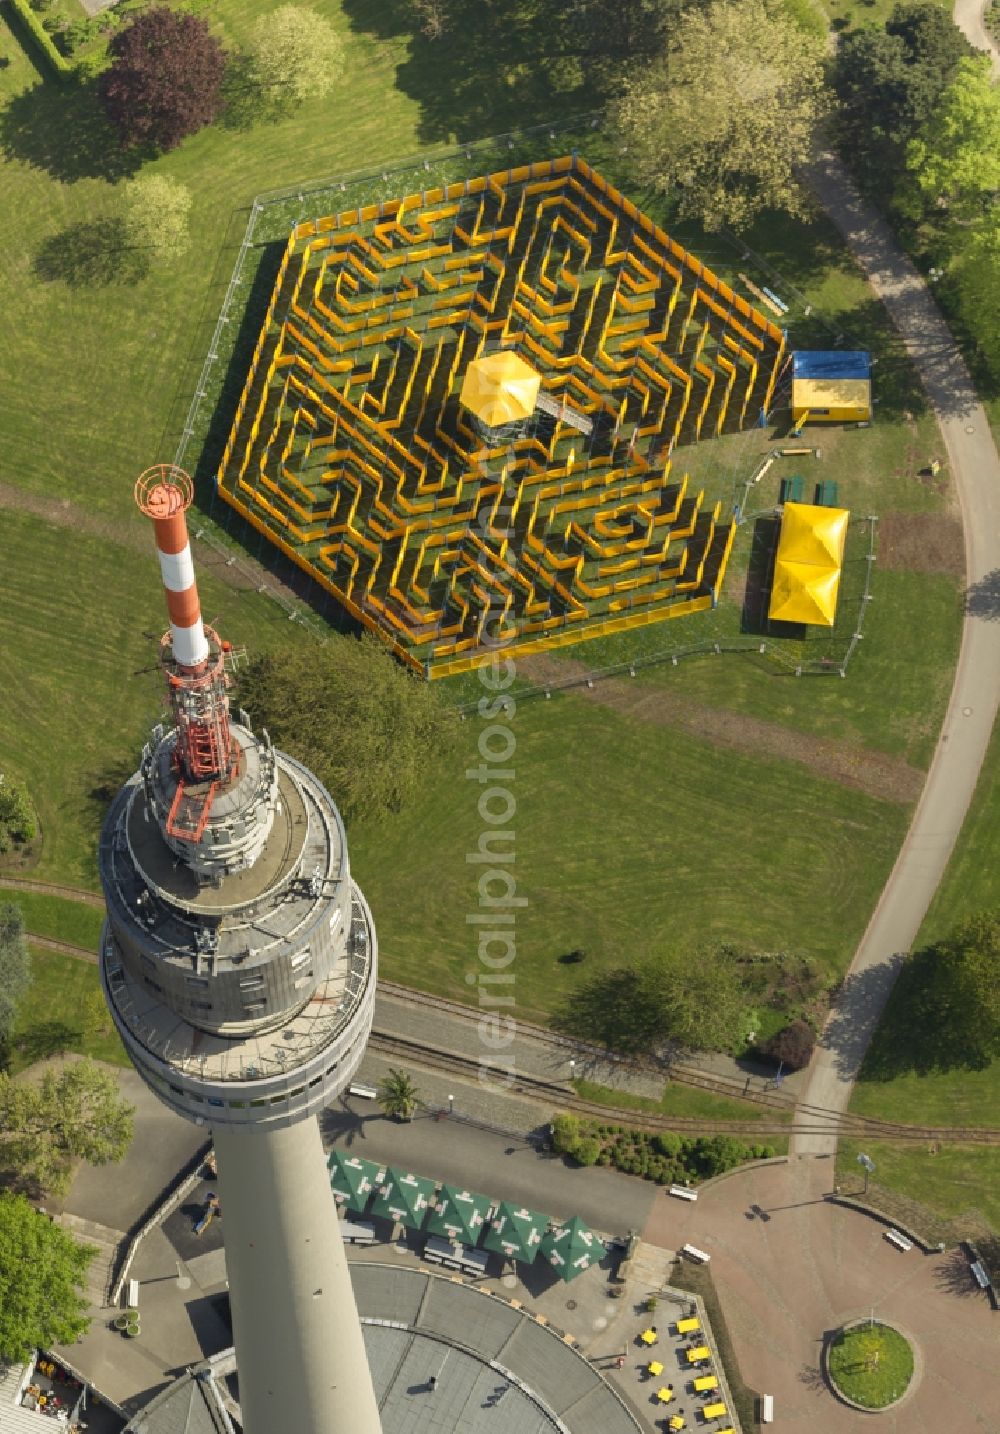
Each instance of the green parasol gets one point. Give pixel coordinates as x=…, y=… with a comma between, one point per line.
x=515, y=1232
x=572, y=1248
x=458, y=1215
x=352, y=1178
x=404, y=1197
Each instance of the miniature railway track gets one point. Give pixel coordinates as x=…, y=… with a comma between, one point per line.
x=811, y=1120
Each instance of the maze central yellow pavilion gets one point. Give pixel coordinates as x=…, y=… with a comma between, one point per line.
x=464, y=406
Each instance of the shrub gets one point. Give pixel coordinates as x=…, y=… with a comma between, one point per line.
x=587, y=1151
x=565, y=1134
x=792, y=1046
x=668, y=1144
x=57, y=63
x=17, y=822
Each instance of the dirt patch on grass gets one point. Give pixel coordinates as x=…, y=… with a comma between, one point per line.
x=888, y=778
x=922, y=543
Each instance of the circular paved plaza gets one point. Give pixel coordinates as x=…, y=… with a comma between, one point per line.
x=790, y=1268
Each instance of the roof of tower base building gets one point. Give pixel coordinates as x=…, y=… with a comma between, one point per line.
x=496, y=1367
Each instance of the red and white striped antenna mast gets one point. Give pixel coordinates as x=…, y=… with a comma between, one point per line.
x=192, y=656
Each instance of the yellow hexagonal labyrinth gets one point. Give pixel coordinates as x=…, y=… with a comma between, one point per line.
x=353, y=451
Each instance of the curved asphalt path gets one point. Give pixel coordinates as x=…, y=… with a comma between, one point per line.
x=968, y=723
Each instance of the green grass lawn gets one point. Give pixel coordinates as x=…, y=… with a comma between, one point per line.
x=629, y=838
x=76, y=709
x=853, y=1370
x=946, y=1193
x=680, y=1100
x=58, y=917
x=955, y=1179
x=56, y=1014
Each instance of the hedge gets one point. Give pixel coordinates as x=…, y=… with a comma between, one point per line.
x=61, y=67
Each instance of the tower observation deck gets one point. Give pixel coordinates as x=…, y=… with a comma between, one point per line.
x=238, y=961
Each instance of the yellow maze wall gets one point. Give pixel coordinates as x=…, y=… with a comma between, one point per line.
x=351, y=452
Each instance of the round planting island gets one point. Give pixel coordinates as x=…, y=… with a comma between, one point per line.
x=870, y=1365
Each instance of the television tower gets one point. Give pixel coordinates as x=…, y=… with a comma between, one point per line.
x=238, y=961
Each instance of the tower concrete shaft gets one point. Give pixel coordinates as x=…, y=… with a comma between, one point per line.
x=304, y=1366
x=239, y=962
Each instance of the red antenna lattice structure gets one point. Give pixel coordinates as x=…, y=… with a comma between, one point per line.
x=192, y=656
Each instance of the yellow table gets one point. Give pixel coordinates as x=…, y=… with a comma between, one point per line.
x=664, y=1395
x=713, y=1411
x=677, y=1422
x=649, y=1336
x=688, y=1326
x=705, y=1383
x=695, y=1356
x=654, y=1368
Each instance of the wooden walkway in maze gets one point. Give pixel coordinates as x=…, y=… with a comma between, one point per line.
x=350, y=449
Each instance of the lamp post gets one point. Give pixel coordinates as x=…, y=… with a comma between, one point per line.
x=572, y=1070
x=451, y=1105
x=868, y=1165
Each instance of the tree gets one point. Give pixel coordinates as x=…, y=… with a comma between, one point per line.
x=75, y=1114
x=15, y=966
x=792, y=1046
x=694, y=1001
x=890, y=81
x=17, y=822
x=961, y=995
x=954, y=160
x=728, y=146
x=398, y=1096
x=366, y=726
x=155, y=216
x=293, y=55
x=165, y=78
x=42, y=1274
x=978, y=279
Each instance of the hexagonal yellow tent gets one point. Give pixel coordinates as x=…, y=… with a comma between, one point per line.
x=500, y=388
x=808, y=564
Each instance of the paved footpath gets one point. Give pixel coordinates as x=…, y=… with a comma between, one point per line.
x=968, y=723
x=968, y=16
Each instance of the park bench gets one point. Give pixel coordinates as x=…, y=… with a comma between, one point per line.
x=792, y=489
x=900, y=1241
x=365, y=1092
x=980, y=1275
x=767, y=1409
x=826, y=493
x=683, y=1193
x=132, y=1302
x=693, y=1253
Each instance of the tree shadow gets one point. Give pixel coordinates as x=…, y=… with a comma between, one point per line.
x=63, y=130
x=611, y=1009
x=48, y=1038
x=853, y=1020
x=244, y=104
x=90, y=255
x=982, y=598
x=953, y=1276
x=498, y=66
